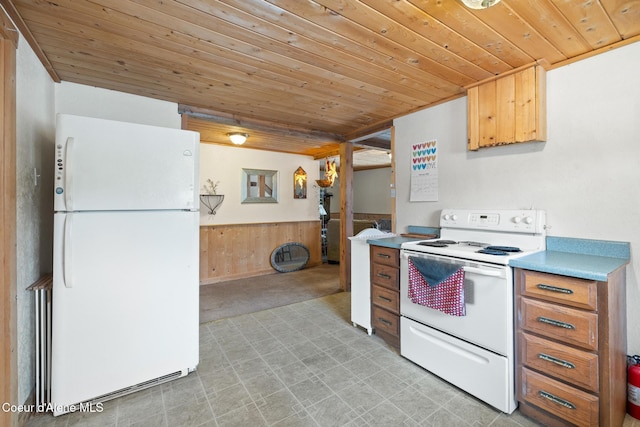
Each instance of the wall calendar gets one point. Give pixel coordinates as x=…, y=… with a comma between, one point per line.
x=424, y=172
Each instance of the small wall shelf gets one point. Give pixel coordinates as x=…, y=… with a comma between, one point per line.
x=212, y=201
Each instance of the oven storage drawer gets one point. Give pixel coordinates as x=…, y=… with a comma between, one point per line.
x=385, y=321
x=384, y=255
x=385, y=298
x=386, y=276
x=571, y=291
x=566, y=402
x=565, y=324
x=559, y=361
x=484, y=374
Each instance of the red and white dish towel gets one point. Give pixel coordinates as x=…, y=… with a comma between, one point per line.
x=446, y=296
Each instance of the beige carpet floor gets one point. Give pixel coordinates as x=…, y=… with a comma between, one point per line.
x=236, y=297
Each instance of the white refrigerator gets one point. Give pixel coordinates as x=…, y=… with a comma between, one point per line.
x=125, y=259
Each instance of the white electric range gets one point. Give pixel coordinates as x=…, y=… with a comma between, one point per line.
x=476, y=351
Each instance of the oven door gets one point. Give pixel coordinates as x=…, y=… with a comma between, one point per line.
x=488, y=300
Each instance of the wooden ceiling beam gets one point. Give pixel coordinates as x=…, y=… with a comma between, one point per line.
x=374, y=128
x=250, y=123
x=333, y=151
x=376, y=142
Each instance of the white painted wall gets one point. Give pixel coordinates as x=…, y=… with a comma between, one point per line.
x=34, y=154
x=585, y=176
x=82, y=100
x=225, y=163
x=371, y=191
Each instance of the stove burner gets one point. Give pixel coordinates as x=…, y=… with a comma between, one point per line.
x=434, y=244
x=437, y=243
x=499, y=250
x=485, y=247
x=504, y=248
x=492, y=252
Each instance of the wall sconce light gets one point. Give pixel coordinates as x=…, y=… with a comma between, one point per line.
x=238, y=138
x=480, y=4
x=300, y=184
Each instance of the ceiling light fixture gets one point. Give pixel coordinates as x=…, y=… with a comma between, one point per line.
x=480, y=4
x=238, y=138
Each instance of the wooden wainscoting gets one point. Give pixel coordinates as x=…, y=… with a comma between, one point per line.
x=235, y=251
x=365, y=216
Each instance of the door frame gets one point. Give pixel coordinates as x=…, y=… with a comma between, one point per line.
x=8, y=304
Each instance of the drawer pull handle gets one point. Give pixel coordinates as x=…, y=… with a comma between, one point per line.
x=554, y=289
x=383, y=256
x=556, y=399
x=557, y=361
x=555, y=323
x=384, y=276
x=384, y=298
x=385, y=321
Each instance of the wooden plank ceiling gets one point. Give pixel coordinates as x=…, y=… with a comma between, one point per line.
x=301, y=76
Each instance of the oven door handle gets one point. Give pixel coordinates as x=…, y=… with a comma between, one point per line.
x=475, y=270
x=484, y=272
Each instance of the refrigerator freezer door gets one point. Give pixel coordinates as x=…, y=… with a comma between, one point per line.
x=109, y=165
x=130, y=314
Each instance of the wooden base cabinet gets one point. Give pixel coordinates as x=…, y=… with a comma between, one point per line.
x=571, y=349
x=385, y=293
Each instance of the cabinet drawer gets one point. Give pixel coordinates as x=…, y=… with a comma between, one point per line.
x=384, y=255
x=384, y=275
x=560, y=361
x=385, y=298
x=385, y=321
x=579, y=293
x=569, y=325
x=571, y=404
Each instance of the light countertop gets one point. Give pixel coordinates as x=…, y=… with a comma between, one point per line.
x=581, y=258
x=396, y=241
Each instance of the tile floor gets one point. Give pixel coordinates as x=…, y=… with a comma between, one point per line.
x=298, y=365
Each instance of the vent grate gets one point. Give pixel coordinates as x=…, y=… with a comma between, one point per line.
x=136, y=387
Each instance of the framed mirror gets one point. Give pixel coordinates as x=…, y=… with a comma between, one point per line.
x=290, y=257
x=259, y=186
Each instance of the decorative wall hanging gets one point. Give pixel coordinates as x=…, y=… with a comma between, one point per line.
x=300, y=184
x=210, y=198
x=290, y=257
x=424, y=172
x=212, y=202
x=330, y=174
x=259, y=186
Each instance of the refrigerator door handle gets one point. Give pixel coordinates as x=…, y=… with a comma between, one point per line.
x=66, y=252
x=68, y=178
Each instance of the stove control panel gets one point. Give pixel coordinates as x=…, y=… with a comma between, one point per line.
x=516, y=221
x=484, y=219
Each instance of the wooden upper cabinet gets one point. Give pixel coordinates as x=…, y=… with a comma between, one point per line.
x=508, y=109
